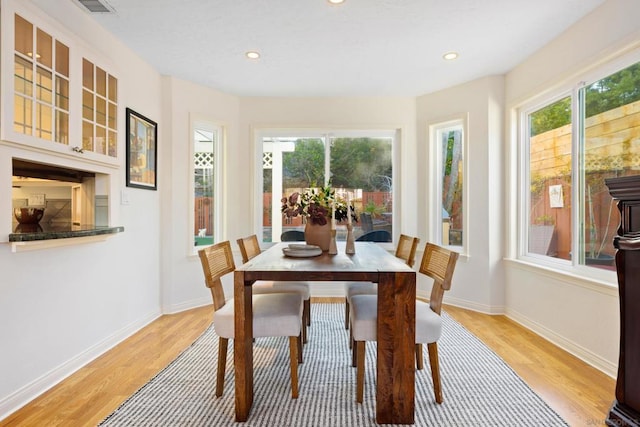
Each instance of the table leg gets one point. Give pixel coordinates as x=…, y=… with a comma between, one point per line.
x=395, y=395
x=243, y=346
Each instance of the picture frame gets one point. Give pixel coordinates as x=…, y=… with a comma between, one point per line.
x=142, y=151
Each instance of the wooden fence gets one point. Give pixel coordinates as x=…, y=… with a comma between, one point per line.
x=612, y=148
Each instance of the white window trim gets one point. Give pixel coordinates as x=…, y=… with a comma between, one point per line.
x=572, y=266
x=568, y=86
x=435, y=179
x=325, y=133
x=219, y=130
x=524, y=175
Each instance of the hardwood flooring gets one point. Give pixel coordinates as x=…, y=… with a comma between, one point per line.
x=581, y=394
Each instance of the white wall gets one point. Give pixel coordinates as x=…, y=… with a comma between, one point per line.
x=61, y=307
x=582, y=316
x=478, y=281
x=182, y=280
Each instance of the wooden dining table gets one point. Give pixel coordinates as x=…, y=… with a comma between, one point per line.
x=395, y=385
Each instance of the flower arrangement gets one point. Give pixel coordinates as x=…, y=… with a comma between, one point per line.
x=317, y=205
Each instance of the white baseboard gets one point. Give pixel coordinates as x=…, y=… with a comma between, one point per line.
x=34, y=389
x=474, y=306
x=187, y=305
x=318, y=289
x=587, y=356
x=327, y=289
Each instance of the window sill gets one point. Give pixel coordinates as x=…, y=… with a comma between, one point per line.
x=602, y=285
x=60, y=236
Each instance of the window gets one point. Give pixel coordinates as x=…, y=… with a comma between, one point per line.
x=550, y=180
x=41, y=84
x=448, y=143
x=206, y=184
x=99, y=110
x=574, y=143
x=357, y=163
x=68, y=196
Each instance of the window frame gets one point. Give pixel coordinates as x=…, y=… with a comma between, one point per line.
x=328, y=133
x=435, y=178
x=568, y=87
x=524, y=202
x=218, y=130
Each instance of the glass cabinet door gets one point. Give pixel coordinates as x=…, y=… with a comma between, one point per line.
x=42, y=89
x=40, y=61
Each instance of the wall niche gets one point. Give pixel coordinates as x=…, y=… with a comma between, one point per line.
x=67, y=196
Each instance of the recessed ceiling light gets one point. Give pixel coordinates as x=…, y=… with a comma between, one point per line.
x=450, y=55
x=335, y=1
x=252, y=54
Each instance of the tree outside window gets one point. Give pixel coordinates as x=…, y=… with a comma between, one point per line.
x=362, y=166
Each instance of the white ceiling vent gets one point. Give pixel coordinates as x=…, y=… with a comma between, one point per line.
x=96, y=6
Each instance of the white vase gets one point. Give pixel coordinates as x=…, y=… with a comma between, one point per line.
x=319, y=235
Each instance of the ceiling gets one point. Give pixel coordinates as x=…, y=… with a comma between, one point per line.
x=358, y=48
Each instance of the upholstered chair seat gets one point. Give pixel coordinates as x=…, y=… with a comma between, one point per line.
x=274, y=315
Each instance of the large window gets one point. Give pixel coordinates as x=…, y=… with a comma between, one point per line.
x=206, y=184
x=355, y=163
x=448, y=146
x=574, y=143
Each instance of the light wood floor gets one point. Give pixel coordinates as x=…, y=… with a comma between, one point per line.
x=581, y=394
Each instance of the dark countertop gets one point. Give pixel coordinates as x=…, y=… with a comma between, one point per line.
x=33, y=232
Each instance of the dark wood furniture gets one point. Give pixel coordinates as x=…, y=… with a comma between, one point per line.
x=405, y=250
x=395, y=394
x=626, y=407
x=438, y=263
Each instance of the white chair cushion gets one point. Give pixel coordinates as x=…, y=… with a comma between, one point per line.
x=269, y=287
x=428, y=324
x=363, y=312
x=364, y=317
x=359, y=288
x=274, y=315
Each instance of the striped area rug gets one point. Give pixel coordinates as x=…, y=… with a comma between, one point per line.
x=479, y=388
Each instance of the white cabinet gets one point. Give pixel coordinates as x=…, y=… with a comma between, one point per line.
x=59, y=108
x=57, y=95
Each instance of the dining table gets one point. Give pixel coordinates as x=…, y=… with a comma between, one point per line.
x=371, y=262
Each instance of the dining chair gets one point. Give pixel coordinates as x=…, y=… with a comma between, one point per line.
x=292, y=236
x=405, y=250
x=375, y=236
x=249, y=248
x=366, y=222
x=437, y=263
x=274, y=315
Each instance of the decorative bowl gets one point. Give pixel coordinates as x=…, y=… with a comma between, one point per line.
x=28, y=228
x=28, y=215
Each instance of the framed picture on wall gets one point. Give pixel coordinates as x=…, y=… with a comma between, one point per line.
x=142, y=151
